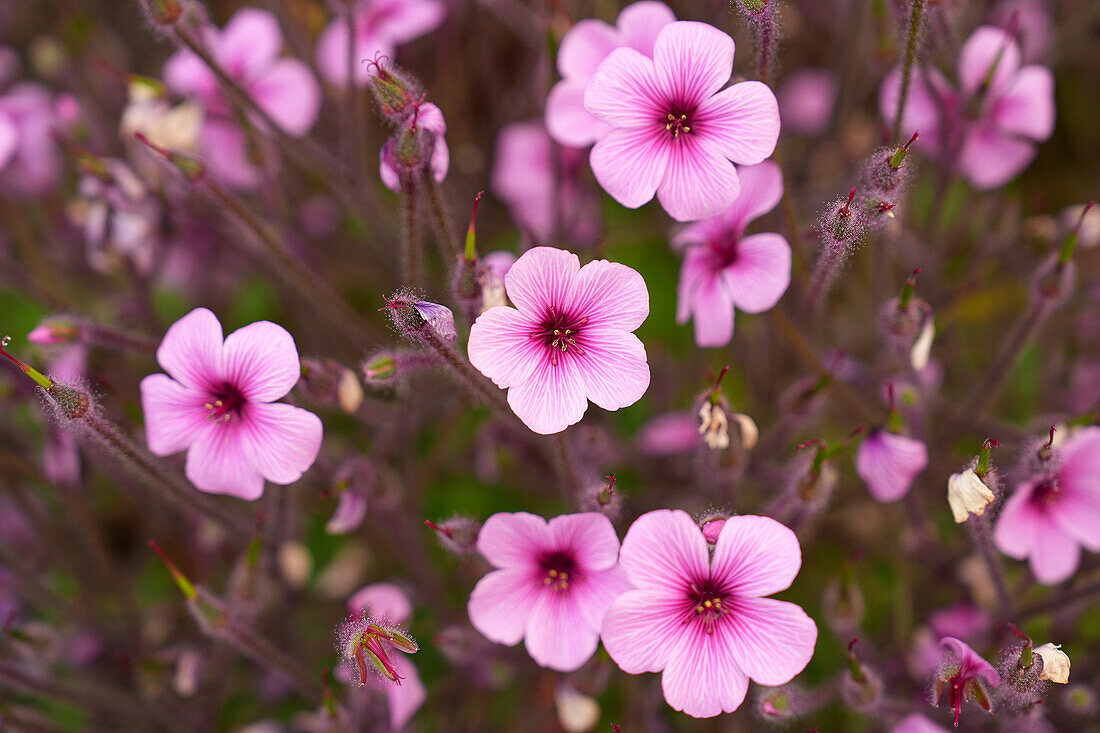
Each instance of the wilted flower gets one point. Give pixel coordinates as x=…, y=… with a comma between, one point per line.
x=965, y=674
x=967, y=494
x=1055, y=663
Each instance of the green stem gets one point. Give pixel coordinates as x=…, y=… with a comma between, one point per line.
x=907, y=67
x=449, y=244
x=412, y=265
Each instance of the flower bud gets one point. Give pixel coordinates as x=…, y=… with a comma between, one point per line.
x=711, y=525
x=396, y=93
x=418, y=318
x=54, y=331
x=457, y=534
x=164, y=12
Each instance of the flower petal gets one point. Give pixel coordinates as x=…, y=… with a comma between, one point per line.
x=408, y=697
x=513, y=540
x=594, y=594
x=988, y=49
x=584, y=46
x=332, y=53
x=991, y=159
x=760, y=274
x=282, y=440
x=556, y=636
x=761, y=191
x=406, y=20
x=742, y=122
x=640, y=627
x=755, y=556
x=185, y=73
x=611, y=295
x=249, y=43
x=174, y=414
x=553, y=397
x=699, y=181
x=589, y=536
x=625, y=91
x=567, y=121
x=1054, y=555
x=771, y=640
x=501, y=346
x=289, y=93
x=191, y=351
x=640, y=22
x=712, y=313
x=631, y=163
x=929, y=90
x=888, y=463
x=614, y=367
x=381, y=601
x=541, y=278
x=664, y=549
x=693, y=61
x=702, y=678
x=501, y=604
x=261, y=361
x=219, y=463
x=224, y=150
x=9, y=140
x=1026, y=107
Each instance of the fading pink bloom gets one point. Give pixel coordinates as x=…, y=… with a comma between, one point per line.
x=888, y=463
x=351, y=509
x=990, y=124
x=962, y=621
x=674, y=134
x=567, y=341
x=553, y=584
x=380, y=27
x=670, y=434
x=703, y=619
x=963, y=671
x=723, y=269
x=30, y=163
x=582, y=50
x=917, y=723
x=217, y=402
x=432, y=127
x=1034, y=26
x=1051, y=517
x=806, y=101
x=248, y=50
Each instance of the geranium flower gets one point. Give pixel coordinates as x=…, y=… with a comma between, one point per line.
x=674, y=134
x=582, y=50
x=888, y=463
x=988, y=127
x=30, y=163
x=1050, y=517
x=702, y=619
x=247, y=49
x=553, y=584
x=567, y=341
x=217, y=402
x=724, y=269
x=380, y=27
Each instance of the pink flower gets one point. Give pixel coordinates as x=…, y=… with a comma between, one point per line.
x=567, y=341
x=724, y=269
x=888, y=463
x=554, y=583
x=990, y=125
x=963, y=671
x=30, y=164
x=1031, y=18
x=806, y=101
x=703, y=619
x=380, y=27
x=433, y=127
x=674, y=134
x=247, y=49
x=217, y=402
x=670, y=434
x=962, y=621
x=1049, y=518
x=582, y=50
x=917, y=723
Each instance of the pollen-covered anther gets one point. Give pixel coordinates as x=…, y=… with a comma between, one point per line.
x=677, y=124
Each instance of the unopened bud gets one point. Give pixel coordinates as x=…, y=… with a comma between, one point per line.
x=51, y=332
x=329, y=382
x=414, y=318
x=366, y=645
x=395, y=93
x=164, y=12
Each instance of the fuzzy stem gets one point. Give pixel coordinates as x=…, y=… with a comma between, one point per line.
x=765, y=44
x=412, y=266
x=824, y=275
x=790, y=214
x=449, y=245
x=981, y=536
x=567, y=464
x=907, y=66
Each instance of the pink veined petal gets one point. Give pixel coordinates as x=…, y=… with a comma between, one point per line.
x=631, y=163
x=543, y=277
x=501, y=604
x=991, y=159
x=553, y=397
x=249, y=43
x=408, y=697
x=700, y=232
x=640, y=22
x=989, y=49
x=611, y=295
x=225, y=153
x=567, y=121
x=711, y=313
x=888, y=463
x=771, y=640
x=756, y=556
x=699, y=181
x=261, y=361
x=693, y=61
x=8, y=140
x=556, y=636
x=590, y=536
x=501, y=346
x=664, y=549
x=1018, y=523
x=584, y=46
x=702, y=678
x=513, y=540
x=761, y=191
x=174, y=414
x=1054, y=555
x=971, y=664
x=219, y=463
x=928, y=89
x=614, y=367
x=625, y=91
x=594, y=594
x=185, y=73
x=191, y=351
x=381, y=601
x=289, y=93
x=1080, y=456
x=1026, y=106
x=742, y=122
x=411, y=19
x=760, y=274
x=641, y=627
x=1078, y=514
x=281, y=440
x=701, y=269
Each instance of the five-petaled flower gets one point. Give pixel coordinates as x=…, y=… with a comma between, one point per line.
x=217, y=402
x=567, y=341
x=702, y=619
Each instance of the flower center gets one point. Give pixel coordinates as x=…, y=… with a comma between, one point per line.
x=560, y=569
x=560, y=332
x=1045, y=493
x=677, y=122
x=227, y=402
x=706, y=605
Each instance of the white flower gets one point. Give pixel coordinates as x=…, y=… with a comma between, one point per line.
x=967, y=495
x=1055, y=663
x=577, y=713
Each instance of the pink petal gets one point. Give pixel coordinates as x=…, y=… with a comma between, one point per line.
x=261, y=361
x=249, y=43
x=928, y=89
x=389, y=176
x=761, y=191
x=669, y=434
x=664, y=549
x=523, y=176
x=8, y=140
x=614, y=367
x=888, y=463
x=501, y=604
x=288, y=92
x=756, y=556
x=281, y=440
x=702, y=678
x=582, y=49
x=408, y=697
x=225, y=154
x=185, y=73
x=174, y=414
x=640, y=627
x=987, y=46
x=332, y=53
x=630, y=163
x=771, y=640
x=501, y=346
x=407, y=20
x=742, y=122
x=219, y=463
x=917, y=723
x=625, y=91
x=567, y=121
x=381, y=601
x=513, y=540
x=1080, y=456
x=760, y=274
x=191, y=351
x=541, y=278
x=693, y=61
x=991, y=159
x=590, y=536
x=699, y=181
x=1026, y=107
x=806, y=101
x=1018, y=523
x=556, y=636
x=711, y=313
x=553, y=396
x=351, y=509
x=611, y=295
x=1078, y=514
x=594, y=594
x=640, y=22
x=1054, y=555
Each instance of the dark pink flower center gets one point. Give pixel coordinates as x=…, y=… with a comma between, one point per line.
x=709, y=604
x=1045, y=493
x=559, y=568
x=677, y=121
x=560, y=332
x=225, y=404
x=724, y=252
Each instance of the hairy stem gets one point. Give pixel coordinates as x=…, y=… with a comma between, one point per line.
x=982, y=537
x=916, y=11
x=412, y=264
x=449, y=245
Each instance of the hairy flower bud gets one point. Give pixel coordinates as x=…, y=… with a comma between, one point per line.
x=416, y=318
x=329, y=382
x=457, y=534
x=396, y=92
